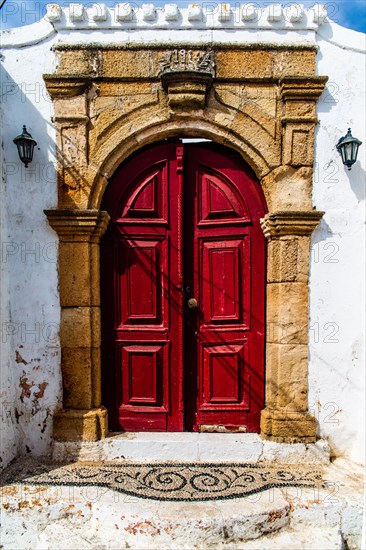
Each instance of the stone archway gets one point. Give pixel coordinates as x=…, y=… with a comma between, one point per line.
x=260, y=101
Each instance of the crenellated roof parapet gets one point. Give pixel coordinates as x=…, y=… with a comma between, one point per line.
x=204, y=23
x=125, y=15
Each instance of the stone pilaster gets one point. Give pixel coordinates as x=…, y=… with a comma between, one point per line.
x=286, y=417
x=71, y=117
x=299, y=96
x=79, y=233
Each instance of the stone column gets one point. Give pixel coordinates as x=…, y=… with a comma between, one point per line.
x=79, y=231
x=286, y=417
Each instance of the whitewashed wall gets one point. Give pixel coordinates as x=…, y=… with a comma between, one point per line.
x=30, y=352
x=30, y=312
x=9, y=431
x=337, y=283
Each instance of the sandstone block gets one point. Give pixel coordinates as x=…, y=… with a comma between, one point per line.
x=286, y=188
x=287, y=426
x=80, y=425
x=74, y=274
x=76, y=327
x=295, y=62
x=77, y=380
x=298, y=149
x=244, y=64
x=287, y=313
x=287, y=375
x=127, y=63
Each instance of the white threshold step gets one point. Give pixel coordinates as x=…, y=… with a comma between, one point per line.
x=191, y=447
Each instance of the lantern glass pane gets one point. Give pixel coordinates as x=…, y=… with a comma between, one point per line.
x=348, y=149
x=342, y=149
x=27, y=151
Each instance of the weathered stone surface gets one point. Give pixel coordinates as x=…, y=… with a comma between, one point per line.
x=288, y=260
x=296, y=453
x=286, y=188
x=285, y=426
x=76, y=327
x=316, y=538
x=300, y=109
x=66, y=87
x=74, y=274
x=130, y=64
x=287, y=375
x=186, y=94
x=240, y=64
x=81, y=425
x=70, y=107
x=77, y=61
x=282, y=260
x=100, y=518
x=290, y=222
x=287, y=313
x=292, y=63
x=77, y=381
x=298, y=144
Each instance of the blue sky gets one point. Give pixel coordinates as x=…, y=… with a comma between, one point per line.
x=348, y=13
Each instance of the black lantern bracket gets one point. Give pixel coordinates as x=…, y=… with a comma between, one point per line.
x=348, y=146
x=25, y=144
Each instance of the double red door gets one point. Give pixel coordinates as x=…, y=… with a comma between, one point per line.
x=183, y=283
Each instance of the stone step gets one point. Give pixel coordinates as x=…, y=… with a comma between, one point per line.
x=91, y=517
x=327, y=517
x=191, y=447
x=294, y=539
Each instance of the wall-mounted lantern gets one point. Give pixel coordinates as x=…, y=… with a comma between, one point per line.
x=348, y=148
x=25, y=144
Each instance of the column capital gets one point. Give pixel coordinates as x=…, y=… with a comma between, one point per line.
x=302, y=87
x=61, y=86
x=282, y=223
x=78, y=225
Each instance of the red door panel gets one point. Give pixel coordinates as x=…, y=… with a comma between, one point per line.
x=226, y=274
x=184, y=224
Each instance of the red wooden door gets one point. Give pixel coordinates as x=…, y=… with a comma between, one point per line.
x=183, y=282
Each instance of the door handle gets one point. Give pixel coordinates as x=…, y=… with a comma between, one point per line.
x=192, y=303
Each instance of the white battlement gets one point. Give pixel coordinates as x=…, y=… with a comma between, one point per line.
x=206, y=16
x=198, y=24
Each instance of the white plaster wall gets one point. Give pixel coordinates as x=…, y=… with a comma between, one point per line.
x=337, y=282
x=8, y=428
x=30, y=360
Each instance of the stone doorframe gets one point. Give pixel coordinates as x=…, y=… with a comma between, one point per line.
x=110, y=102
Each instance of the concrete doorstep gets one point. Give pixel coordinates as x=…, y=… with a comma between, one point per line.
x=95, y=518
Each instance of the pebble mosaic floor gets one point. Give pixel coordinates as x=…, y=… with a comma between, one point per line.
x=169, y=481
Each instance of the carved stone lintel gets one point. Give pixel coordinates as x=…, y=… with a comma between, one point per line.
x=196, y=61
x=278, y=224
